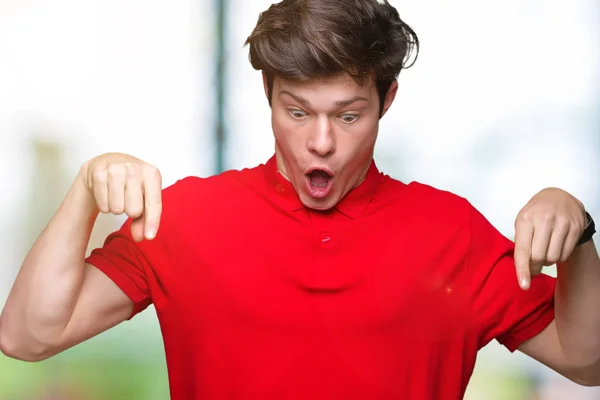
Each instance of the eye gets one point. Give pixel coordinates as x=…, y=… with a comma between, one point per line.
x=297, y=114
x=349, y=118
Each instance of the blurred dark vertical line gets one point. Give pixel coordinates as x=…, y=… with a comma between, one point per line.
x=220, y=130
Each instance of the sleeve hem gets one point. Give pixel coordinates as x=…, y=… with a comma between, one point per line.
x=512, y=342
x=140, y=299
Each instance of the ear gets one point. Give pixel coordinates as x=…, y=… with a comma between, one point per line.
x=389, y=97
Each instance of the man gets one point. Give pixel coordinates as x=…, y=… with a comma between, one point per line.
x=313, y=276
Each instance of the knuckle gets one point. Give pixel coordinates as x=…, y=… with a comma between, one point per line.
x=547, y=216
x=117, y=209
x=134, y=211
x=553, y=257
x=538, y=258
x=525, y=216
x=99, y=176
x=563, y=222
x=562, y=230
x=132, y=169
x=154, y=201
x=523, y=251
x=115, y=171
x=522, y=246
x=151, y=172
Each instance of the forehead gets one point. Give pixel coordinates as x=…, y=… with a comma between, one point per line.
x=339, y=85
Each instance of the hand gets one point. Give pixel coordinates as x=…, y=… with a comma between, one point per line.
x=547, y=231
x=119, y=184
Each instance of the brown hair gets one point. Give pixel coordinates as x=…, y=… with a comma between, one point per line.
x=309, y=39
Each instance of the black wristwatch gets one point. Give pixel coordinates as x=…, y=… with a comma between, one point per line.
x=589, y=230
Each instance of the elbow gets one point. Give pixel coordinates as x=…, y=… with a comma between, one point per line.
x=12, y=350
x=6, y=346
x=588, y=376
x=586, y=381
x=11, y=347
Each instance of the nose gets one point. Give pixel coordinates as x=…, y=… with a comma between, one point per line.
x=322, y=141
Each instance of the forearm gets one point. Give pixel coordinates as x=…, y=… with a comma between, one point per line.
x=577, y=305
x=45, y=292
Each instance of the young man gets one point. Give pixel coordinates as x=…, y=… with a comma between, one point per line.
x=314, y=276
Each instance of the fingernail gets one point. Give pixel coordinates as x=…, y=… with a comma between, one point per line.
x=150, y=233
x=524, y=283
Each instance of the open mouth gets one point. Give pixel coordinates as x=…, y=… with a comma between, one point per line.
x=319, y=178
x=319, y=183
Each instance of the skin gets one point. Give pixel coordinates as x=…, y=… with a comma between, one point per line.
x=547, y=231
x=57, y=299
x=311, y=129
x=331, y=124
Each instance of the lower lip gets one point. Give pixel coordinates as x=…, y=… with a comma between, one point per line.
x=319, y=192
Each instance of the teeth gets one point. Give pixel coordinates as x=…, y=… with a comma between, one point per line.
x=319, y=179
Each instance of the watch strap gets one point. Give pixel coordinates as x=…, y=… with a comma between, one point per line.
x=589, y=230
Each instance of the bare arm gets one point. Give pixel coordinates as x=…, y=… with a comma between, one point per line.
x=57, y=300
x=548, y=229
x=571, y=345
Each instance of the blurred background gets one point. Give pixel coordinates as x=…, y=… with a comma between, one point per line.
x=503, y=101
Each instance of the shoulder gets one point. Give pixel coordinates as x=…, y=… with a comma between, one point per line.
x=433, y=213
x=418, y=197
x=215, y=188
x=455, y=215
x=204, y=197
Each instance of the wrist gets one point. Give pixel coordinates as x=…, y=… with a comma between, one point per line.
x=80, y=199
x=581, y=257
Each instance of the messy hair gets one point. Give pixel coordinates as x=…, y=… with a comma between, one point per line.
x=302, y=40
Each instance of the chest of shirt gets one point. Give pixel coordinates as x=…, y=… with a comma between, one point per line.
x=295, y=269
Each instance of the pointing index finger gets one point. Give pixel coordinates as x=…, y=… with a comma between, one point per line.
x=152, y=185
x=522, y=254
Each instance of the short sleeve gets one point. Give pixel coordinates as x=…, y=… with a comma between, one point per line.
x=503, y=310
x=139, y=269
x=122, y=260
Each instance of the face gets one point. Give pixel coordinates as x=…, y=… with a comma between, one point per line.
x=325, y=132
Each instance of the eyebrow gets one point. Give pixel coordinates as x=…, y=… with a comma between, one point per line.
x=341, y=103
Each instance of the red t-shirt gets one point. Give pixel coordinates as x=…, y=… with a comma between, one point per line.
x=388, y=296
